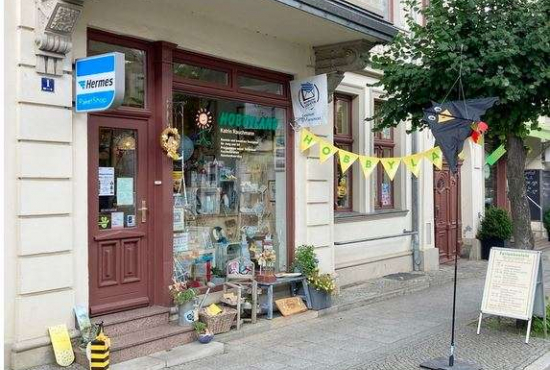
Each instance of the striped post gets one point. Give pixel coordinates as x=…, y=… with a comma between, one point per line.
x=100, y=347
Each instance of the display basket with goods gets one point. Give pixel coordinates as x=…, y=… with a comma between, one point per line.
x=219, y=322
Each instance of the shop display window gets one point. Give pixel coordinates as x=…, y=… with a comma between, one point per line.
x=192, y=72
x=229, y=186
x=255, y=84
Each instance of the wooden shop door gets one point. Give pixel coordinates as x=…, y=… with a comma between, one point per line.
x=117, y=210
x=447, y=217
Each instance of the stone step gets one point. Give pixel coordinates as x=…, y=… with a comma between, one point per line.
x=144, y=342
x=148, y=341
x=121, y=323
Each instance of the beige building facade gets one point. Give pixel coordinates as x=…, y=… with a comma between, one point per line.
x=49, y=179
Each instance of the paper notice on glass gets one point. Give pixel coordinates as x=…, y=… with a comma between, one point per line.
x=106, y=181
x=125, y=191
x=117, y=220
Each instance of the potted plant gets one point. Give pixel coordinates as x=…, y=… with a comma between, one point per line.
x=204, y=335
x=218, y=276
x=546, y=222
x=495, y=230
x=184, y=298
x=305, y=260
x=321, y=288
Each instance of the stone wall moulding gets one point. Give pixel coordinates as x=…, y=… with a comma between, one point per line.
x=57, y=21
x=336, y=59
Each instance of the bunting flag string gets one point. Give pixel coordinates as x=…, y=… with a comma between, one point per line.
x=368, y=164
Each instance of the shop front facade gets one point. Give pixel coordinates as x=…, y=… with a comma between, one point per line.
x=104, y=219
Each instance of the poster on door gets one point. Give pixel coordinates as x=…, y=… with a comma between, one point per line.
x=106, y=181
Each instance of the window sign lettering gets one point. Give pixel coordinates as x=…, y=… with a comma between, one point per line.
x=227, y=119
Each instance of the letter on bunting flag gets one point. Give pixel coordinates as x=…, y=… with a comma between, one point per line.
x=346, y=159
x=413, y=163
x=326, y=150
x=390, y=165
x=435, y=156
x=368, y=164
x=307, y=140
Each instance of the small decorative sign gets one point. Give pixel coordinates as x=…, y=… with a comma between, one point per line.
x=291, y=306
x=48, y=84
x=203, y=119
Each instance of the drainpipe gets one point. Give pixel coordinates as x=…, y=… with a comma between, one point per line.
x=414, y=211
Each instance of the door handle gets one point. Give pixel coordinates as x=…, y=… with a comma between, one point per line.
x=143, y=211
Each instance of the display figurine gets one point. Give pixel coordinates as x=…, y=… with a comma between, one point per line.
x=342, y=188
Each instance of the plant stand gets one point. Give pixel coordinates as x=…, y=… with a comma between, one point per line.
x=284, y=281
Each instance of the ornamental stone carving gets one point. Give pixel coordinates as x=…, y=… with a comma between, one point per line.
x=57, y=20
x=336, y=59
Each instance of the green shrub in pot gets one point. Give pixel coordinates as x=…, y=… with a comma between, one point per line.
x=495, y=230
x=546, y=222
x=305, y=260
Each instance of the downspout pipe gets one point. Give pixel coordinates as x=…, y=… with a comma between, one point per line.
x=414, y=211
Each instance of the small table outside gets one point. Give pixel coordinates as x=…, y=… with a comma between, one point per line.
x=283, y=281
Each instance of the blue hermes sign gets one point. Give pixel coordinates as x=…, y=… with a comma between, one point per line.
x=99, y=82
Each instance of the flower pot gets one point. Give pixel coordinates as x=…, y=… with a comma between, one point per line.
x=206, y=338
x=319, y=299
x=487, y=244
x=186, y=315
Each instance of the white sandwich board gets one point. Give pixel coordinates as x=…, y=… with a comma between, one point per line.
x=514, y=286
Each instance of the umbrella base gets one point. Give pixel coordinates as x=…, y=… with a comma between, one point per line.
x=443, y=364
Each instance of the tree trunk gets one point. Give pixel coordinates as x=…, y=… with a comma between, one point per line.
x=521, y=216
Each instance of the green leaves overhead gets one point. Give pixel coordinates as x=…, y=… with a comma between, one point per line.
x=505, y=53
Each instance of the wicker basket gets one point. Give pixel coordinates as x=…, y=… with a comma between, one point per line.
x=220, y=323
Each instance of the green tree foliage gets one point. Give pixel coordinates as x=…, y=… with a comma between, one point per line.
x=502, y=48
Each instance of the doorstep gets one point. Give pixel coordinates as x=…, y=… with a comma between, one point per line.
x=173, y=357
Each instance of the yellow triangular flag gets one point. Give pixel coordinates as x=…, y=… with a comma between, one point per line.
x=390, y=165
x=307, y=140
x=326, y=150
x=435, y=156
x=413, y=163
x=346, y=159
x=368, y=164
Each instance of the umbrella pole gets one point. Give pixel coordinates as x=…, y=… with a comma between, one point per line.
x=452, y=352
x=450, y=363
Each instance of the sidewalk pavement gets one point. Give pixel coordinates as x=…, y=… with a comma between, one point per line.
x=394, y=334
x=395, y=322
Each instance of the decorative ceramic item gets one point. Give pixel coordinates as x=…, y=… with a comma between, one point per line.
x=206, y=338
